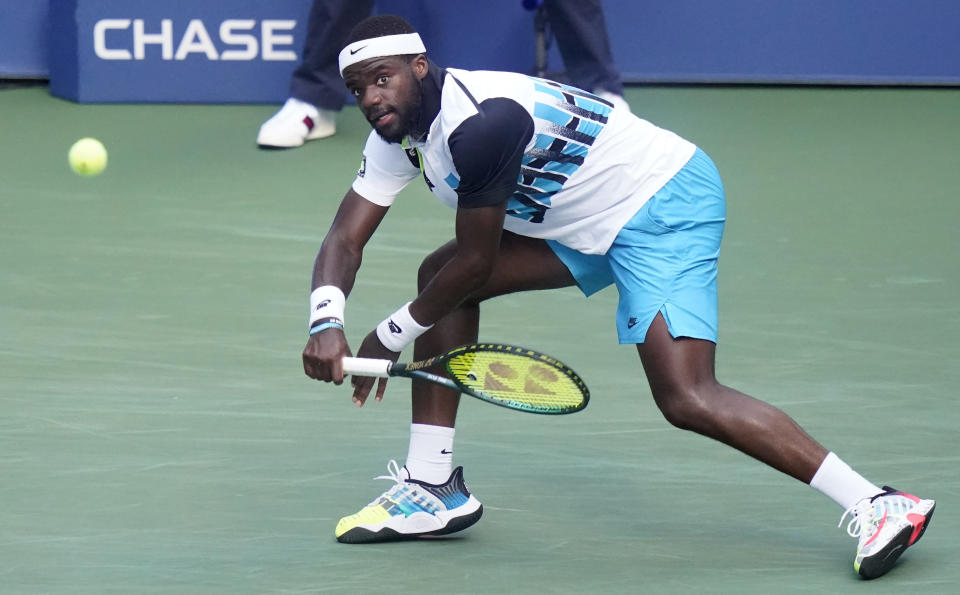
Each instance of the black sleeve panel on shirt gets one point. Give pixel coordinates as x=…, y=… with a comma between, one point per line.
x=487, y=150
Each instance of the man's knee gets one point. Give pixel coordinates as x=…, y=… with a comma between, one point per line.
x=688, y=408
x=432, y=264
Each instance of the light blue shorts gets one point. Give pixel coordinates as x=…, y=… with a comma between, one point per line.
x=664, y=259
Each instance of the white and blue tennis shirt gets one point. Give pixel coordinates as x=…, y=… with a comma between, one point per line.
x=575, y=169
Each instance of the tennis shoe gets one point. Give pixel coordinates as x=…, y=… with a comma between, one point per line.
x=296, y=122
x=412, y=509
x=886, y=525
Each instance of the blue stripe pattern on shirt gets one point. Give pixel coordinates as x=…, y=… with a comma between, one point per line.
x=575, y=118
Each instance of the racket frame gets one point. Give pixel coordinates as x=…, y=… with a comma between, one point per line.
x=382, y=368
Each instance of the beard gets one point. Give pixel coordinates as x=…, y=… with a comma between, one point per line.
x=407, y=120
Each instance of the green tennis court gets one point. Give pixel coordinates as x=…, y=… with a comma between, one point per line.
x=158, y=434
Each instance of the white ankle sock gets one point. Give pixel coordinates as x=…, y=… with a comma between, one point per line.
x=837, y=481
x=430, y=457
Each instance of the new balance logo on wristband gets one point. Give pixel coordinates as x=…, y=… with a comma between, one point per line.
x=394, y=327
x=332, y=319
x=324, y=324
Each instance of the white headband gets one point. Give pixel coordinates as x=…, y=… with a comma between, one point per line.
x=378, y=47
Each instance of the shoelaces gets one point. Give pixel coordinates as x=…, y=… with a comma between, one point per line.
x=866, y=514
x=394, y=474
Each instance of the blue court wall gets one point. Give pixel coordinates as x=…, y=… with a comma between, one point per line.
x=23, y=38
x=793, y=41
x=244, y=50
x=725, y=41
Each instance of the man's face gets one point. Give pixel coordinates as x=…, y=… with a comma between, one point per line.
x=388, y=93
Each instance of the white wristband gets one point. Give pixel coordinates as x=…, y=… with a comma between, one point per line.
x=400, y=329
x=326, y=302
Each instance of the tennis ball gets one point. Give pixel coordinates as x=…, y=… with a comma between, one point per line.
x=87, y=157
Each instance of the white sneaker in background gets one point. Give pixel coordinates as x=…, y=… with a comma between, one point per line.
x=617, y=100
x=296, y=122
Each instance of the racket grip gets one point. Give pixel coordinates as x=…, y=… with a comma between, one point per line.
x=361, y=366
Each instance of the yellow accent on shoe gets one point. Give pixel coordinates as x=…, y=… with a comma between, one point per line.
x=371, y=515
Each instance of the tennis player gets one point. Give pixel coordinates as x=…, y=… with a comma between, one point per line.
x=552, y=187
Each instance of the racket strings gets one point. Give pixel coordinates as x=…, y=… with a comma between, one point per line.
x=519, y=381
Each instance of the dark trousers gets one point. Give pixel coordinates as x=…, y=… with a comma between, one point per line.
x=581, y=33
x=578, y=25
x=317, y=80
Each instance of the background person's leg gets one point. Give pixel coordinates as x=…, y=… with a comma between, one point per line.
x=581, y=32
x=317, y=79
x=317, y=91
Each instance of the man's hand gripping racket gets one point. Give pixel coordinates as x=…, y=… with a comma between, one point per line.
x=506, y=375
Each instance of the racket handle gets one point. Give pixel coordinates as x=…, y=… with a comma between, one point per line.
x=361, y=366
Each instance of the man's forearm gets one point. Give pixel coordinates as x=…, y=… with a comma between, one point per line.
x=336, y=265
x=340, y=254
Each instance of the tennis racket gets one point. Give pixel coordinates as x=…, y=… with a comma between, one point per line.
x=506, y=375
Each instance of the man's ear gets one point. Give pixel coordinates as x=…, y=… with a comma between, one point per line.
x=420, y=66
